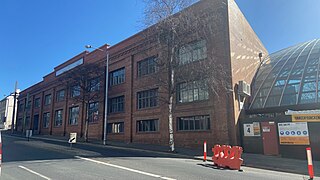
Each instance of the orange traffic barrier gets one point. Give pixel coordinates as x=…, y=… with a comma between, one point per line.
x=227, y=156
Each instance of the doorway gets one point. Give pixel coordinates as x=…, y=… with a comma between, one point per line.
x=270, y=138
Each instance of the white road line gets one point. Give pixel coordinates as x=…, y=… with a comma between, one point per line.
x=125, y=168
x=45, y=177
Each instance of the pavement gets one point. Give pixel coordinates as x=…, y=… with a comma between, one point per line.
x=275, y=163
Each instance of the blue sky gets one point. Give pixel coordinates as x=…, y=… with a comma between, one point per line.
x=38, y=35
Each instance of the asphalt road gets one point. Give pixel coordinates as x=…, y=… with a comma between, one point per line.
x=42, y=159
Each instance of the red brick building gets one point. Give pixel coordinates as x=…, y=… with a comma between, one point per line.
x=136, y=112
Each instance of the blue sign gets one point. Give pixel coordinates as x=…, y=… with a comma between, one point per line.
x=293, y=133
x=281, y=132
x=287, y=132
x=305, y=132
x=299, y=132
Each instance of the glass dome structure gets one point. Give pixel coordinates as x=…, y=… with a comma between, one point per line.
x=288, y=77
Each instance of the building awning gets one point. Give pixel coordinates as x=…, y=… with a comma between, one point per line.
x=291, y=112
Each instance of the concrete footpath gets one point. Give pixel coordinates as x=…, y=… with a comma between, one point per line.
x=250, y=160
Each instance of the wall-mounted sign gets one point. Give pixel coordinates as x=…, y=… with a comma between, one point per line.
x=293, y=133
x=251, y=129
x=306, y=118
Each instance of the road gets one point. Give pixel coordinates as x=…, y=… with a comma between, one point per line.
x=44, y=159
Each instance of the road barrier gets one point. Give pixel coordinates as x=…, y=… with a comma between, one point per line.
x=205, y=151
x=310, y=165
x=227, y=157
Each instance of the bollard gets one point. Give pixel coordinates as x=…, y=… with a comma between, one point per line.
x=205, y=151
x=310, y=166
x=0, y=152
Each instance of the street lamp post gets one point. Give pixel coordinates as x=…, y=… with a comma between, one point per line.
x=106, y=93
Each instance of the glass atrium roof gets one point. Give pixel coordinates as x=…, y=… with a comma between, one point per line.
x=288, y=77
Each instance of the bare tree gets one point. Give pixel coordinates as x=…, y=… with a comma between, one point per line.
x=84, y=82
x=176, y=35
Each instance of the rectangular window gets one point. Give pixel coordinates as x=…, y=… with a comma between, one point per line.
x=58, y=118
x=21, y=107
x=94, y=85
x=75, y=91
x=27, y=122
x=117, y=77
x=28, y=105
x=37, y=103
x=117, y=127
x=194, y=123
x=73, y=115
x=46, y=119
x=147, y=66
x=148, y=125
x=60, y=95
x=47, y=99
x=147, y=98
x=193, y=52
x=93, y=112
x=116, y=104
x=192, y=91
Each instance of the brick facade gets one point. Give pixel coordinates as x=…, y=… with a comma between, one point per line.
x=127, y=54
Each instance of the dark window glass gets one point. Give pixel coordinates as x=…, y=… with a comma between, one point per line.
x=58, y=118
x=60, y=95
x=37, y=103
x=46, y=119
x=73, y=115
x=117, y=77
x=47, y=99
x=94, y=85
x=194, y=123
x=192, y=91
x=147, y=98
x=117, y=127
x=147, y=66
x=148, y=125
x=75, y=91
x=116, y=104
x=193, y=52
x=93, y=112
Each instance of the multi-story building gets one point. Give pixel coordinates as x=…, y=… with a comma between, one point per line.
x=137, y=109
x=6, y=110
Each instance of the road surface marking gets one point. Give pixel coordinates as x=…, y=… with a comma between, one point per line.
x=45, y=177
x=125, y=168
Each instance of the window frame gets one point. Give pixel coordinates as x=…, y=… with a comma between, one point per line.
x=182, y=127
x=117, y=77
x=148, y=99
x=56, y=118
x=114, y=107
x=70, y=118
x=115, y=128
x=47, y=99
x=144, y=126
x=46, y=120
x=92, y=111
x=60, y=98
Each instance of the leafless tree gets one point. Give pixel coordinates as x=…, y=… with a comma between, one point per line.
x=84, y=81
x=174, y=33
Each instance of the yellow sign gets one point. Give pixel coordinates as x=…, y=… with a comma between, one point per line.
x=294, y=140
x=306, y=118
x=293, y=133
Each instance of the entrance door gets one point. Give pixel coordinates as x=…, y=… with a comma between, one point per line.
x=270, y=138
x=35, y=124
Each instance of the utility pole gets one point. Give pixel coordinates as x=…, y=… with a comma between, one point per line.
x=14, y=107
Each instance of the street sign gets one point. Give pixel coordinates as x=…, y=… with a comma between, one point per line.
x=73, y=138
